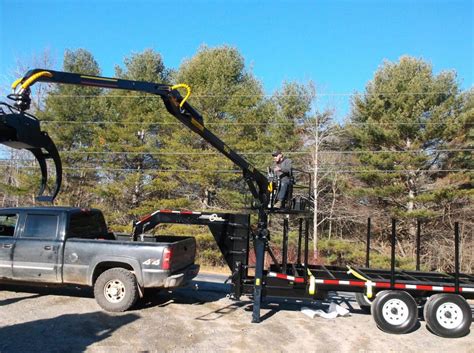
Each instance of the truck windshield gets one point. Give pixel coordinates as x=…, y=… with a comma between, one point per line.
x=87, y=225
x=7, y=224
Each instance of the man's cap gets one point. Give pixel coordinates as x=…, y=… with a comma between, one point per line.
x=276, y=153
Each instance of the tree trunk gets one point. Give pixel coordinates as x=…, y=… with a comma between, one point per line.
x=411, y=185
x=315, y=190
x=334, y=194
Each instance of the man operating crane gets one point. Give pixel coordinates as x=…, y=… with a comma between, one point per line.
x=282, y=169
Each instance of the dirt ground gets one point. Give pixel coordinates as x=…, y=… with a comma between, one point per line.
x=198, y=318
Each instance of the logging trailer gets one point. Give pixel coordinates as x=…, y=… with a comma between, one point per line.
x=393, y=296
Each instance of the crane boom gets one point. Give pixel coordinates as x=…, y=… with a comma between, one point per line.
x=175, y=104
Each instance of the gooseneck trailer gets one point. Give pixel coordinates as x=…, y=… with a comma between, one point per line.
x=392, y=295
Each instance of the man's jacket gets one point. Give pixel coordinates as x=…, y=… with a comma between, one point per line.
x=284, y=172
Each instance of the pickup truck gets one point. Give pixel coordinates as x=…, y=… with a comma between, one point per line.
x=66, y=245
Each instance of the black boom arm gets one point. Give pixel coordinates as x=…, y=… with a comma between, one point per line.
x=174, y=103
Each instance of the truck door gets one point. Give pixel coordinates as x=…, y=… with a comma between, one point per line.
x=8, y=225
x=35, y=255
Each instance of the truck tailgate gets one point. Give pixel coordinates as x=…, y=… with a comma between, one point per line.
x=183, y=250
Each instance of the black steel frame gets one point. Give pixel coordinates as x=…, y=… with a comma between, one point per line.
x=177, y=106
x=291, y=280
x=233, y=232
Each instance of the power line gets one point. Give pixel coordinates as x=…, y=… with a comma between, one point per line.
x=195, y=153
x=104, y=122
x=329, y=94
x=289, y=153
x=99, y=169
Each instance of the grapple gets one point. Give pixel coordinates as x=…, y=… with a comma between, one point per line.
x=20, y=130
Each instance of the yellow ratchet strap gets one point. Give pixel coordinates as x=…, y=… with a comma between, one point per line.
x=312, y=283
x=188, y=92
x=33, y=78
x=368, y=283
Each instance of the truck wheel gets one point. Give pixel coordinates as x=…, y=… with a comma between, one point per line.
x=448, y=315
x=364, y=302
x=116, y=290
x=395, y=311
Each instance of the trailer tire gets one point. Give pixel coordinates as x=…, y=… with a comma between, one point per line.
x=116, y=290
x=395, y=311
x=448, y=315
x=364, y=302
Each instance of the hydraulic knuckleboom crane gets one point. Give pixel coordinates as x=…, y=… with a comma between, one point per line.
x=21, y=130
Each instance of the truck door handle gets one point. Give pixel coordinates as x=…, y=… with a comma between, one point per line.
x=48, y=247
x=7, y=246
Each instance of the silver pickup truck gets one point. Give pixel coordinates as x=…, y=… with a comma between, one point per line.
x=65, y=245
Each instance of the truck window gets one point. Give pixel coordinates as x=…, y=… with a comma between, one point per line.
x=88, y=225
x=8, y=224
x=41, y=226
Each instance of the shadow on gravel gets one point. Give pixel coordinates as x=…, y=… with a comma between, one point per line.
x=272, y=306
x=66, y=333
x=196, y=293
x=16, y=300
x=221, y=312
x=40, y=290
x=347, y=299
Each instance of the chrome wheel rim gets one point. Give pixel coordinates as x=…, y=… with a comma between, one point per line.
x=114, y=291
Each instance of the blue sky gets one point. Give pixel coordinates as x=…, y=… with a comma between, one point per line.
x=336, y=44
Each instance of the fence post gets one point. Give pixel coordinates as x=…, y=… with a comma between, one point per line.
x=418, y=242
x=392, y=257
x=367, y=253
x=456, y=256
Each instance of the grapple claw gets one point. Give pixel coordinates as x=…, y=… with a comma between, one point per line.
x=22, y=131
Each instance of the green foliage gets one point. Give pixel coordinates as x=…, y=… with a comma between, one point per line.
x=67, y=108
x=208, y=252
x=123, y=152
x=404, y=114
x=342, y=252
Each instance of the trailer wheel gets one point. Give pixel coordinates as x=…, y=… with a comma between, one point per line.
x=116, y=290
x=448, y=315
x=364, y=302
x=395, y=311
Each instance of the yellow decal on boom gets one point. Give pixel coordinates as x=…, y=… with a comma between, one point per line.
x=197, y=124
x=99, y=78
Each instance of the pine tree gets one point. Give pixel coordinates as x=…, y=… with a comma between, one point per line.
x=129, y=142
x=69, y=110
x=399, y=127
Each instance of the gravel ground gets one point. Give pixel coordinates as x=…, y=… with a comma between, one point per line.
x=198, y=318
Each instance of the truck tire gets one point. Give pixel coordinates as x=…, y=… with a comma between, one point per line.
x=395, y=311
x=448, y=315
x=116, y=290
x=364, y=302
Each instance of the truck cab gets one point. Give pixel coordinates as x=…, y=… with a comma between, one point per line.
x=32, y=239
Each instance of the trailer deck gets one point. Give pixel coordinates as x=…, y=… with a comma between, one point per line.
x=397, y=292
